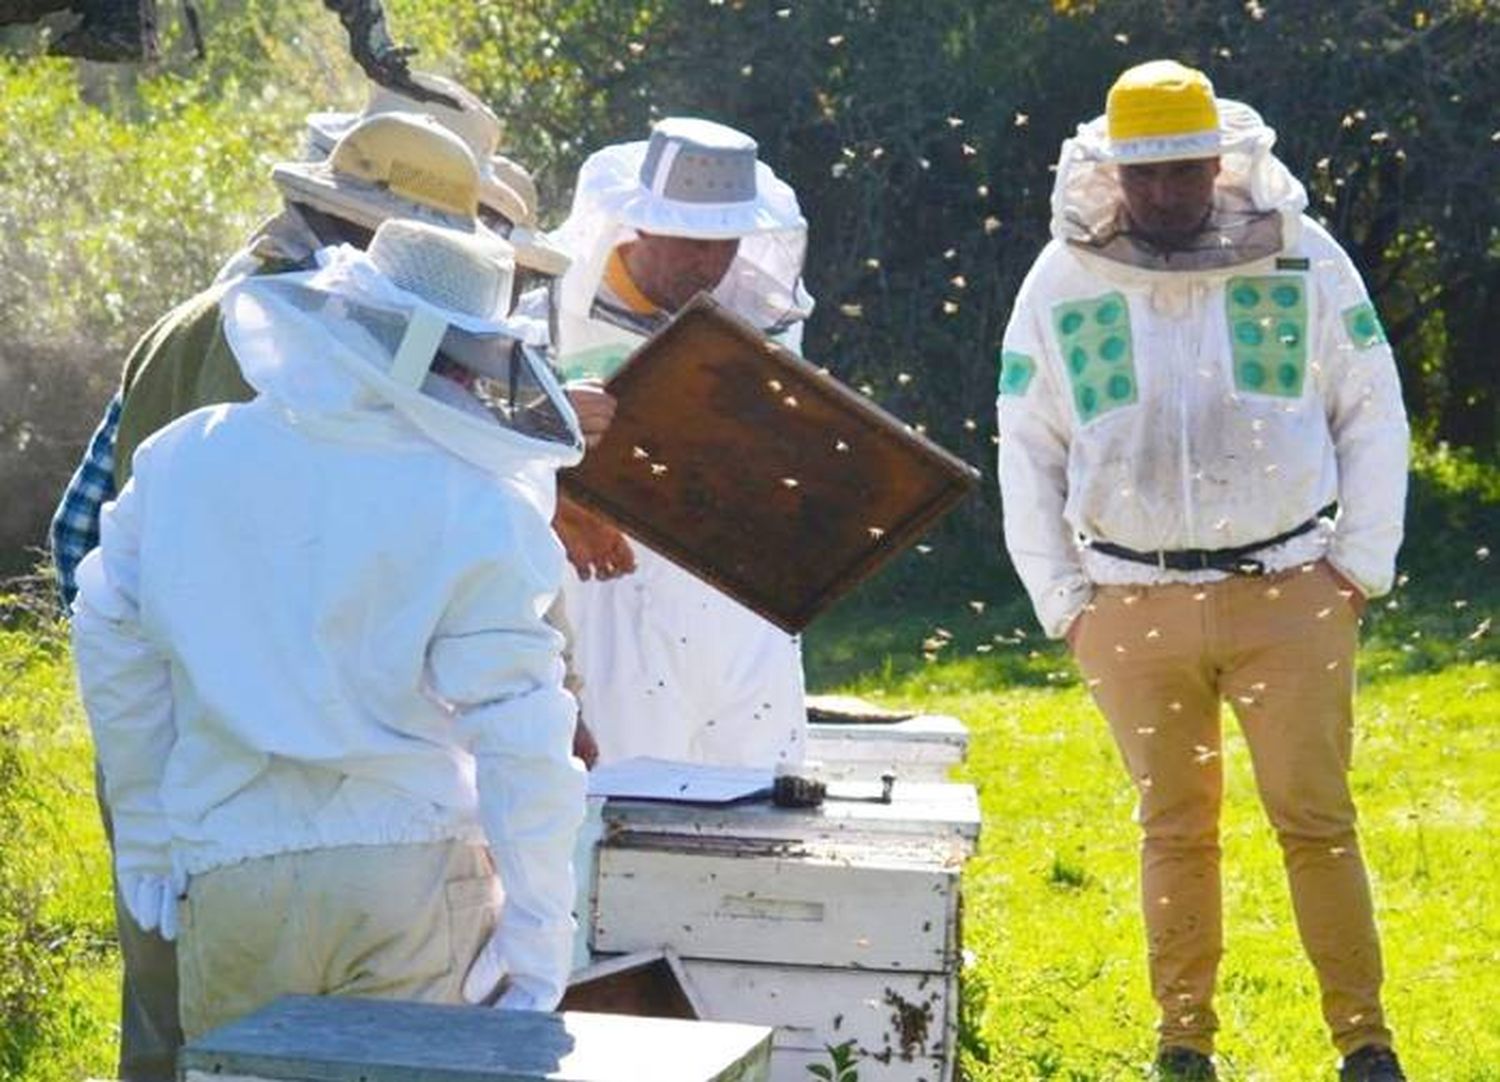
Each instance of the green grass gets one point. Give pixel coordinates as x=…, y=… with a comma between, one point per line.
x=1055, y=984
x=58, y=966
x=1055, y=981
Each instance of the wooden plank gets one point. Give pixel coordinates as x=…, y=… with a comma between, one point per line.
x=923, y=729
x=906, y=1013
x=900, y=754
x=919, y=749
x=862, y=910
x=836, y=766
x=331, y=1039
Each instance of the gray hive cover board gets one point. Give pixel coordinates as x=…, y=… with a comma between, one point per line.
x=333, y=1039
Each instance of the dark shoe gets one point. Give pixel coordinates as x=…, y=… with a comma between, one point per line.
x=1184, y=1065
x=1372, y=1063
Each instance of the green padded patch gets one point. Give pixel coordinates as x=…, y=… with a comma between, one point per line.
x=1363, y=326
x=1093, y=337
x=1268, y=333
x=1017, y=370
x=601, y=362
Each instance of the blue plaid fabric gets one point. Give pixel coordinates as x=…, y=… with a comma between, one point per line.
x=75, y=525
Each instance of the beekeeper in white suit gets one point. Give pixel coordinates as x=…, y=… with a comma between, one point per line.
x=671, y=667
x=1192, y=374
x=312, y=647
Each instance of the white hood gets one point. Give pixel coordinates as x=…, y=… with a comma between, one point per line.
x=1257, y=203
x=321, y=343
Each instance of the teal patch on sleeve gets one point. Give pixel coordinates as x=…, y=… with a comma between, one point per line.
x=1017, y=370
x=601, y=362
x=1093, y=338
x=1363, y=326
x=1288, y=263
x=1267, y=318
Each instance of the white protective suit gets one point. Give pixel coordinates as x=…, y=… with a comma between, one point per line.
x=1206, y=399
x=672, y=667
x=315, y=620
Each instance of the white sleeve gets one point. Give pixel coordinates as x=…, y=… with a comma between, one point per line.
x=1034, y=476
x=125, y=681
x=791, y=338
x=1367, y=421
x=498, y=664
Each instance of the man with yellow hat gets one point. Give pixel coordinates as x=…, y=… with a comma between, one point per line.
x=368, y=167
x=1203, y=469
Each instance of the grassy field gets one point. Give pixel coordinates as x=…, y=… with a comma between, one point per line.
x=58, y=966
x=1055, y=984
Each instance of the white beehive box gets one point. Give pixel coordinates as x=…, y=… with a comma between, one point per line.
x=903, y=1023
x=832, y=924
x=331, y=1039
x=922, y=748
x=939, y=816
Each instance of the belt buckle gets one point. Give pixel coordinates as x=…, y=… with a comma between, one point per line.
x=1250, y=566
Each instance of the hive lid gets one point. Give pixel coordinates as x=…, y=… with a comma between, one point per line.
x=332, y=1039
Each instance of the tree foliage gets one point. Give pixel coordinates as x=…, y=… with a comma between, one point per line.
x=920, y=138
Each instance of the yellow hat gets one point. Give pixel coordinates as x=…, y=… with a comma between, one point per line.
x=391, y=165
x=1162, y=111
x=506, y=189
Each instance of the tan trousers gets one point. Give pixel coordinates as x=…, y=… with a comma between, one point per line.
x=389, y=922
x=1280, y=649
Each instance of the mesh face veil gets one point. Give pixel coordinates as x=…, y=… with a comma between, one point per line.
x=695, y=179
x=1256, y=207
x=511, y=380
x=422, y=322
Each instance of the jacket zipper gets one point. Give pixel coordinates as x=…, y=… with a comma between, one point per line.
x=1186, y=369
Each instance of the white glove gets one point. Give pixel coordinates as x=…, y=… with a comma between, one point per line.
x=531, y=792
x=485, y=973
x=531, y=809
x=488, y=975
x=524, y=994
x=152, y=902
x=521, y=964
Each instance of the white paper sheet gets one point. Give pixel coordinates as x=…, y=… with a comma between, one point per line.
x=688, y=783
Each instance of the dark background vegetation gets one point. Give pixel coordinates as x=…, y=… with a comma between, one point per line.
x=920, y=137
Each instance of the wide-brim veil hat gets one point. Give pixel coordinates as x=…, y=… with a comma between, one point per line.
x=506, y=188
x=692, y=178
x=382, y=316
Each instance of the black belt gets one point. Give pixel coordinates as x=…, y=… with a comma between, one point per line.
x=1237, y=561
